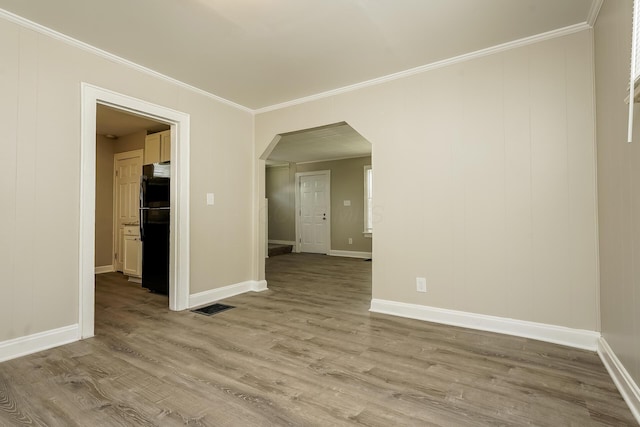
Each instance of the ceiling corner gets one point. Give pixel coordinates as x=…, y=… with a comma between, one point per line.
x=593, y=12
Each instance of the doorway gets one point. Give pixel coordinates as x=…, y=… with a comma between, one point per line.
x=313, y=212
x=179, y=238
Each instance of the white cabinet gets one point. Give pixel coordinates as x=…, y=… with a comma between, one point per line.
x=132, y=252
x=157, y=147
x=165, y=146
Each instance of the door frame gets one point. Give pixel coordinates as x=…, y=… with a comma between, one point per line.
x=327, y=178
x=179, y=222
x=116, y=231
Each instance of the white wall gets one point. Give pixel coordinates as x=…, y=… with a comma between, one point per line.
x=484, y=181
x=40, y=81
x=618, y=187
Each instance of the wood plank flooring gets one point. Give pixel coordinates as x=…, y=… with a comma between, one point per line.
x=304, y=353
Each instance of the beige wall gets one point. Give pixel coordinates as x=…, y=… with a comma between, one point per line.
x=134, y=141
x=279, y=189
x=39, y=228
x=104, y=201
x=347, y=183
x=618, y=187
x=484, y=181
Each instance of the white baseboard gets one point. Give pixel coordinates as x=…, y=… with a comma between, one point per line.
x=104, y=269
x=259, y=286
x=213, y=295
x=29, y=344
x=626, y=385
x=577, y=338
x=282, y=242
x=135, y=279
x=350, y=254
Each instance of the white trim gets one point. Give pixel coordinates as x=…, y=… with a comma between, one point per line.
x=266, y=227
x=367, y=230
x=596, y=5
x=621, y=377
x=16, y=19
x=351, y=254
x=594, y=182
x=298, y=229
x=213, y=295
x=179, y=238
x=104, y=269
x=34, y=343
x=577, y=338
x=412, y=71
x=432, y=66
x=282, y=242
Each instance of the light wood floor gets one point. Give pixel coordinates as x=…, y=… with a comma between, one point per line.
x=305, y=353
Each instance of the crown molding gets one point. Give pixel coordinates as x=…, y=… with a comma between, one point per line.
x=16, y=19
x=432, y=66
x=593, y=12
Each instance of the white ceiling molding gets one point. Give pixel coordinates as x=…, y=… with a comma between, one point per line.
x=111, y=57
x=593, y=12
x=439, y=64
x=596, y=5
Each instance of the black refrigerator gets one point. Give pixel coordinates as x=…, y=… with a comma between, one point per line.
x=155, y=211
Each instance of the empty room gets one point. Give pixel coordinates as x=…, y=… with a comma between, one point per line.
x=343, y=212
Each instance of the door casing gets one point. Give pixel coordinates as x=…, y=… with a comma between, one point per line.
x=179, y=241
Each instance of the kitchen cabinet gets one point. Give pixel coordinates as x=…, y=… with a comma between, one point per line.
x=132, y=252
x=157, y=147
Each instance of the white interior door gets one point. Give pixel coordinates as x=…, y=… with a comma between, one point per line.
x=314, y=213
x=127, y=171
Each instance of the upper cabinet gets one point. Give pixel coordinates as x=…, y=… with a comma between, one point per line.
x=157, y=147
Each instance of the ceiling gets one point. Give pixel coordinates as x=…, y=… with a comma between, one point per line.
x=259, y=53
x=110, y=121
x=332, y=142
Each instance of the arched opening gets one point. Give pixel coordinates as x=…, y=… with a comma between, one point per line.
x=317, y=195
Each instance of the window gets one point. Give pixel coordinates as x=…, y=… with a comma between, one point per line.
x=635, y=64
x=368, y=201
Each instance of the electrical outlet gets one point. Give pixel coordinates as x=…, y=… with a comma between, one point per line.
x=350, y=241
x=421, y=284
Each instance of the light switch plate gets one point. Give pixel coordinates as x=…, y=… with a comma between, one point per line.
x=347, y=202
x=209, y=198
x=421, y=284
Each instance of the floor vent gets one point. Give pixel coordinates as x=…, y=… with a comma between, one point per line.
x=212, y=309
